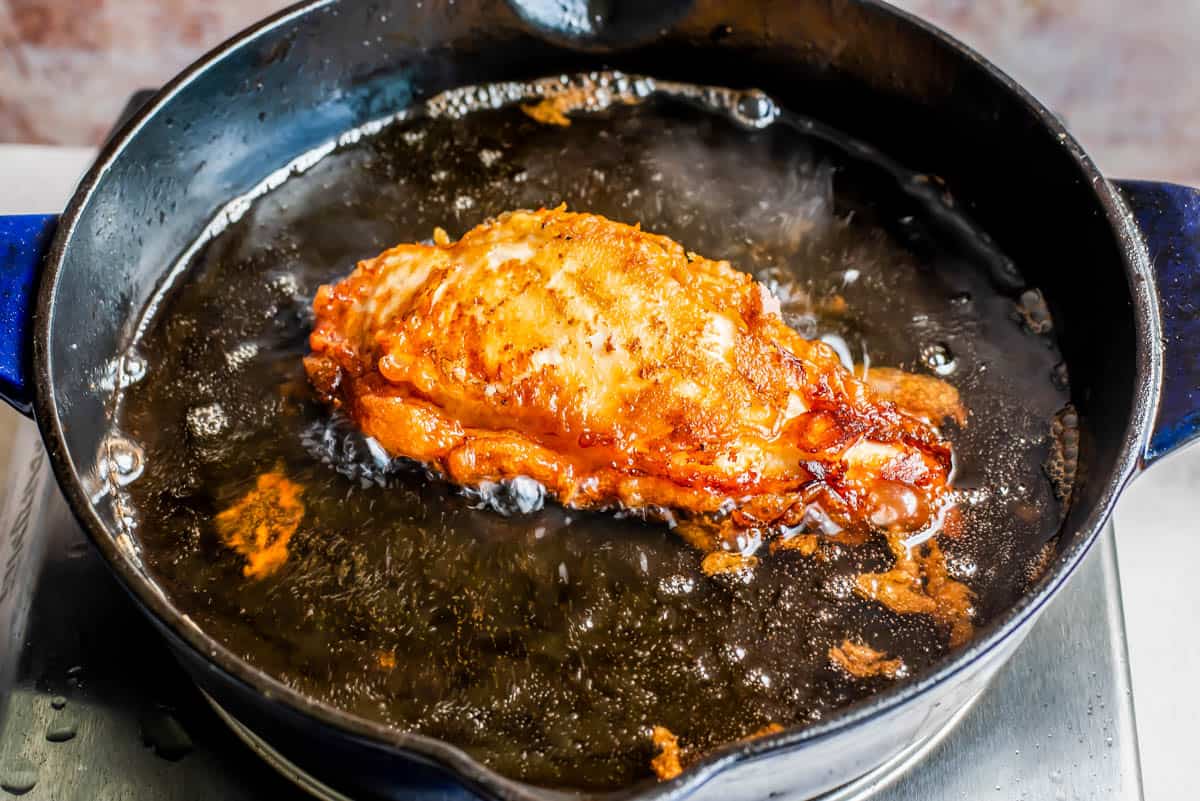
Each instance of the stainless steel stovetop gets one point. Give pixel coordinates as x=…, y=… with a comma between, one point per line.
x=99, y=710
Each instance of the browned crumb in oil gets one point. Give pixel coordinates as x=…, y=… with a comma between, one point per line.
x=262, y=522
x=550, y=110
x=553, y=109
x=953, y=600
x=919, y=583
x=835, y=304
x=770, y=728
x=666, y=764
x=864, y=662
x=668, y=761
x=727, y=562
x=386, y=660
x=708, y=534
x=804, y=544
x=899, y=589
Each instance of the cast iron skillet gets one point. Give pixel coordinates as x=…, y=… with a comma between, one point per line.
x=1119, y=264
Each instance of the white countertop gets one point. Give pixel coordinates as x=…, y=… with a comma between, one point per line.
x=1157, y=523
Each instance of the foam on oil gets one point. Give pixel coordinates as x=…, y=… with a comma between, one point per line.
x=542, y=640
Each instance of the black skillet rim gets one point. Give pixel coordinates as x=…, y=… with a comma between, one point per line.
x=457, y=762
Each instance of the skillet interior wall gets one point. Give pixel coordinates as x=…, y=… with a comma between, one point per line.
x=299, y=83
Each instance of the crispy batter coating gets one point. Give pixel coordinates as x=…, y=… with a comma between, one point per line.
x=262, y=522
x=615, y=368
x=666, y=764
x=924, y=396
x=804, y=544
x=864, y=662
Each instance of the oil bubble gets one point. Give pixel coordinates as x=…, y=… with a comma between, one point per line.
x=121, y=461
x=938, y=358
x=755, y=109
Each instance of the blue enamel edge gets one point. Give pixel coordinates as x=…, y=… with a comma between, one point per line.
x=24, y=240
x=1169, y=218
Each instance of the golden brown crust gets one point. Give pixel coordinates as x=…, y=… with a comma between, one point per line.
x=923, y=396
x=615, y=368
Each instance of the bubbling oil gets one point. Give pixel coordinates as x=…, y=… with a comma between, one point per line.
x=547, y=641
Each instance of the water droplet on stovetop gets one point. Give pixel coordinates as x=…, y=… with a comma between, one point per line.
x=58, y=702
x=18, y=776
x=62, y=730
x=162, y=732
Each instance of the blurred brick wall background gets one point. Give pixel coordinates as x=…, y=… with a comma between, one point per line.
x=67, y=66
x=1123, y=74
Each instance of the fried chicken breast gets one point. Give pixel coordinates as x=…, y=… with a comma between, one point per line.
x=616, y=368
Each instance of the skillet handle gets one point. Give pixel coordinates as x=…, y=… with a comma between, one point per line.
x=1169, y=217
x=24, y=240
